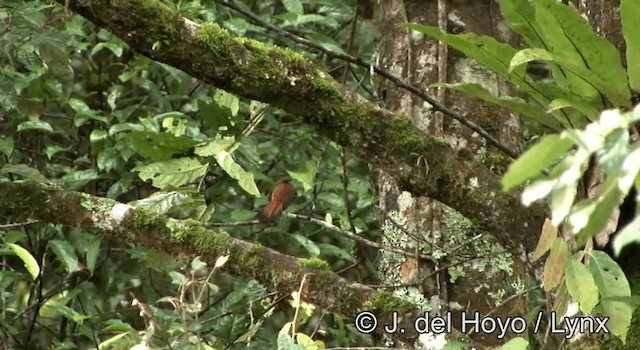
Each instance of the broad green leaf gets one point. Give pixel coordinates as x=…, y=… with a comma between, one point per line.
x=520, y=15
x=583, y=111
x=535, y=159
x=611, y=199
x=22, y=170
x=581, y=285
x=115, y=48
x=80, y=178
x=331, y=250
x=121, y=127
x=98, y=135
x=93, y=252
x=172, y=172
x=554, y=266
x=111, y=342
x=584, y=108
x=516, y=344
x=162, y=201
x=78, y=106
x=28, y=260
x=233, y=169
x=159, y=146
x=65, y=253
x=629, y=14
x=6, y=146
x=211, y=148
x=485, y=50
x=294, y=6
x=310, y=246
x=56, y=307
x=454, y=345
x=612, y=282
x=306, y=178
x=228, y=101
x=285, y=342
x=512, y=103
x=35, y=125
x=571, y=39
x=583, y=82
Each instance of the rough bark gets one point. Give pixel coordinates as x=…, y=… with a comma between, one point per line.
x=185, y=239
x=425, y=222
x=422, y=165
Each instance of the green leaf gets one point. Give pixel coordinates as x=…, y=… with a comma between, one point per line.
x=172, y=172
x=78, y=106
x=80, y=178
x=485, y=50
x=606, y=204
x=573, y=43
x=115, y=48
x=535, y=159
x=93, y=252
x=65, y=253
x=55, y=307
x=512, y=103
x=28, y=260
x=629, y=14
x=331, y=250
x=159, y=146
x=6, y=146
x=612, y=282
x=213, y=147
x=520, y=15
x=581, y=285
x=309, y=245
x=35, y=125
x=516, y=344
x=233, y=169
x=294, y=6
x=586, y=109
x=22, y=170
x=181, y=203
x=583, y=82
x=305, y=178
x=228, y=101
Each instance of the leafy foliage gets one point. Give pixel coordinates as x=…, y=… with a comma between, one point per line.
x=587, y=77
x=80, y=109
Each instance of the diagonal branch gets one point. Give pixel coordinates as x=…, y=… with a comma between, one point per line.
x=283, y=78
x=437, y=105
x=184, y=239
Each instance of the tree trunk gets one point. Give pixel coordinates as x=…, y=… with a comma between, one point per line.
x=425, y=224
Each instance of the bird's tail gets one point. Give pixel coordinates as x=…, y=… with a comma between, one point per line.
x=270, y=212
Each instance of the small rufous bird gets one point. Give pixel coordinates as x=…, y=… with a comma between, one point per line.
x=282, y=195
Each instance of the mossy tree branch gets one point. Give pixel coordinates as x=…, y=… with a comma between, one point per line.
x=185, y=239
x=422, y=165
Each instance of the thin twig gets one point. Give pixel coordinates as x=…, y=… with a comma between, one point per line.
x=462, y=118
x=358, y=238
